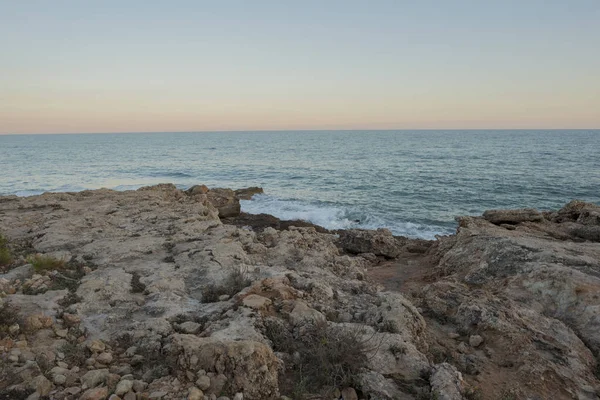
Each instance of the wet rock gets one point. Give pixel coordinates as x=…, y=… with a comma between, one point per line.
x=380, y=242
x=513, y=216
x=247, y=193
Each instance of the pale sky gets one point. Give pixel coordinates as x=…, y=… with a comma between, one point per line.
x=133, y=66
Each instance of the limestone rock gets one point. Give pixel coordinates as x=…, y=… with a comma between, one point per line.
x=513, y=216
x=446, y=382
x=225, y=201
x=380, y=242
x=247, y=193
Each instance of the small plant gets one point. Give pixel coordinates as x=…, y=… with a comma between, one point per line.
x=397, y=350
x=75, y=354
x=235, y=282
x=42, y=262
x=8, y=316
x=5, y=253
x=136, y=285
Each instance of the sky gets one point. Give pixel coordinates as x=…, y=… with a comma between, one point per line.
x=139, y=66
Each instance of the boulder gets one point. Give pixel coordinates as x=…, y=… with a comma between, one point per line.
x=225, y=201
x=380, y=242
x=247, y=193
x=249, y=367
x=513, y=217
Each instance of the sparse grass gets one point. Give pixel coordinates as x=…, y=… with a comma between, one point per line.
x=473, y=393
x=329, y=356
x=42, y=262
x=236, y=281
x=8, y=316
x=136, y=285
x=75, y=354
x=6, y=257
x=397, y=350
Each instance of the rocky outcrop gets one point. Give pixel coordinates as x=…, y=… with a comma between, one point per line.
x=380, y=242
x=513, y=216
x=162, y=296
x=247, y=193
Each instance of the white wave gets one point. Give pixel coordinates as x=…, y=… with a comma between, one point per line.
x=332, y=217
x=326, y=216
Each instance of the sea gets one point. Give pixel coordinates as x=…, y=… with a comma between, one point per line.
x=413, y=182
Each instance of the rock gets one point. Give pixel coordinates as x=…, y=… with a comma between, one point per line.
x=225, y=201
x=256, y=302
x=349, y=394
x=446, y=382
x=99, y=393
x=247, y=193
x=380, y=242
x=303, y=314
x=247, y=366
x=498, y=217
x=96, y=346
x=123, y=387
x=195, y=394
x=71, y=320
x=475, y=340
x=217, y=383
x=59, y=379
x=104, y=358
x=37, y=322
x=197, y=189
x=238, y=396
x=95, y=377
x=139, y=386
x=203, y=382
x=159, y=394
x=189, y=327
x=130, y=396
x=41, y=385
x=114, y=397
x=21, y=273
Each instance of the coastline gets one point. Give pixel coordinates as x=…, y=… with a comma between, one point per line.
x=173, y=291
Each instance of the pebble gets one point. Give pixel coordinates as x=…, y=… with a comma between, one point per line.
x=475, y=340
x=203, y=382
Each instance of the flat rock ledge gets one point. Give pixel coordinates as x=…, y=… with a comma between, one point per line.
x=160, y=293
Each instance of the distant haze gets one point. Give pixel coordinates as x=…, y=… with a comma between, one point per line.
x=118, y=66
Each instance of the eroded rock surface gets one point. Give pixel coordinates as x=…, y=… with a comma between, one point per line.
x=157, y=297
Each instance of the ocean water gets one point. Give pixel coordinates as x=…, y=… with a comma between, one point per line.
x=412, y=182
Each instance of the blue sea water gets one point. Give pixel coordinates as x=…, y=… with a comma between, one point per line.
x=413, y=182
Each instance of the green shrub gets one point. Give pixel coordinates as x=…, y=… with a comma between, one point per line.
x=5, y=253
x=42, y=262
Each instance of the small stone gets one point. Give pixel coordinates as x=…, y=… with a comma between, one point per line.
x=475, y=340
x=189, y=327
x=139, y=386
x=71, y=319
x=453, y=335
x=41, y=385
x=462, y=347
x=59, y=379
x=14, y=329
x=130, y=396
x=130, y=352
x=238, y=396
x=349, y=394
x=61, y=333
x=195, y=394
x=223, y=398
x=96, y=346
x=114, y=397
x=99, y=393
x=224, y=297
x=123, y=387
x=62, y=364
x=256, y=302
x=94, y=377
x=104, y=358
x=73, y=390
x=217, y=383
x=157, y=395
x=203, y=382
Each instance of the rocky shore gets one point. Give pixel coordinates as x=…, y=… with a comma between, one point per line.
x=160, y=293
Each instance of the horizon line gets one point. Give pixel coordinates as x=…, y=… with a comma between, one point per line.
x=298, y=130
